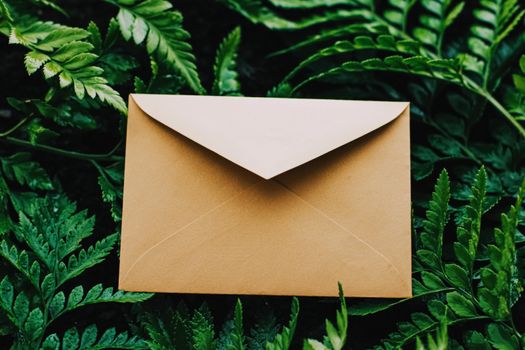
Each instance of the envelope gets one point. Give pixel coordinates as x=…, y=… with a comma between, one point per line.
x=266, y=196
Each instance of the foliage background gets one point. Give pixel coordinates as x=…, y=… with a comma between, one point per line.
x=452, y=127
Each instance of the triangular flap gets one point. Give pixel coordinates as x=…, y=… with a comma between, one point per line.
x=268, y=136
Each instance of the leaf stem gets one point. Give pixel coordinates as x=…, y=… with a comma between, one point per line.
x=14, y=128
x=70, y=154
x=434, y=325
x=503, y=111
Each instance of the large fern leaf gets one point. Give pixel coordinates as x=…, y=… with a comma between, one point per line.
x=469, y=230
x=52, y=231
x=283, y=340
x=502, y=286
x=495, y=21
x=335, y=334
x=226, y=77
x=62, y=52
x=159, y=27
x=437, y=17
x=90, y=339
x=434, y=225
x=257, y=12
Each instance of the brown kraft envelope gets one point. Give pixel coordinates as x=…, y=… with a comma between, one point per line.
x=267, y=196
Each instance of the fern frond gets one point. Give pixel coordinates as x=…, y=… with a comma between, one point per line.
x=52, y=236
x=258, y=13
x=502, y=286
x=434, y=224
x=397, y=12
x=85, y=259
x=282, y=89
x=515, y=98
x=442, y=69
x=495, y=21
x=226, y=77
x=263, y=331
x=158, y=331
x=5, y=13
x=440, y=342
x=420, y=323
x=309, y=4
x=353, y=29
x=61, y=52
x=203, y=334
x=237, y=335
x=284, y=339
x=89, y=339
x=383, y=42
x=27, y=233
x=96, y=295
x=18, y=309
x=23, y=262
x=468, y=231
x=110, y=181
x=438, y=16
x=53, y=232
x=335, y=334
x=167, y=329
x=20, y=168
x=155, y=24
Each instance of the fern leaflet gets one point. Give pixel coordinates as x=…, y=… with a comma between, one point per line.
x=226, y=77
x=154, y=23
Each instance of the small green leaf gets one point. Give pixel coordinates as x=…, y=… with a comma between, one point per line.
x=457, y=276
x=501, y=338
x=431, y=280
x=461, y=305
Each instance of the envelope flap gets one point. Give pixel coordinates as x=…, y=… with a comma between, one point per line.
x=268, y=136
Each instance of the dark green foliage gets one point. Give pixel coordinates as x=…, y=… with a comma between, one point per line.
x=335, y=338
x=53, y=232
x=70, y=67
x=225, y=82
x=160, y=29
x=438, y=58
x=179, y=329
x=453, y=293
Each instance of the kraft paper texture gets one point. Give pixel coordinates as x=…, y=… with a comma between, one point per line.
x=267, y=196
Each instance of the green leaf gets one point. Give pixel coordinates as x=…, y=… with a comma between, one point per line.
x=457, y=276
x=154, y=23
x=461, y=305
x=22, y=261
x=20, y=168
x=495, y=21
x=203, y=335
x=57, y=304
x=502, y=285
x=476, y=341
x=257, y=12
x=336, y=334
x=111, y=182
x=226, y=77
x=89, y=339
x=468, y=232
x=237, y=335
x=501, y=338
x=431, y=280
x=62, y=52
x=283, y=340
x=437, y=216
x=86, y=258
x=34, y=324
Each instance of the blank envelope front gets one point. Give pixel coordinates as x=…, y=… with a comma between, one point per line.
x=266, y=196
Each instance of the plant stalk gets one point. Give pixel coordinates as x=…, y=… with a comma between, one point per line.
x=70, y=154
